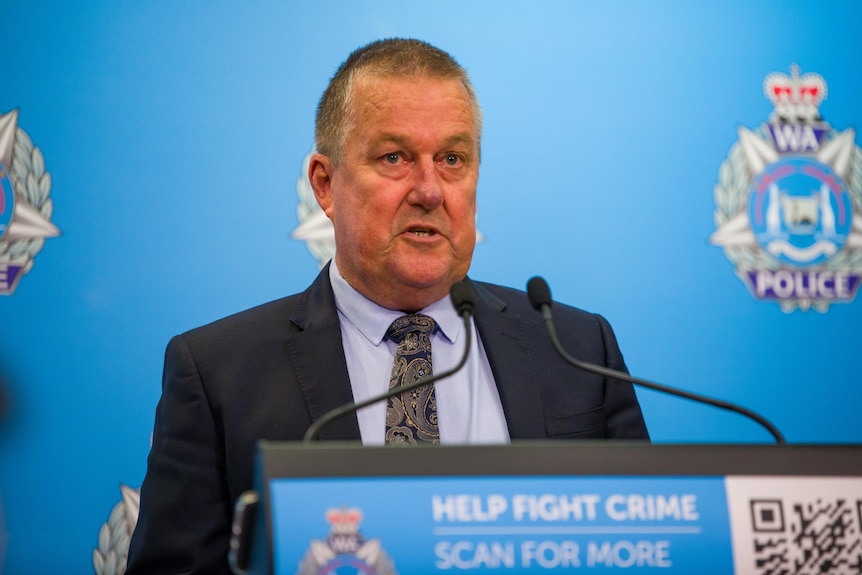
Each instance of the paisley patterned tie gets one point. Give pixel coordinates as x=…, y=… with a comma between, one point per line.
x=412, y=417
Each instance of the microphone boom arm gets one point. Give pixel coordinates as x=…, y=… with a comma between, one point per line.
x=607, y=372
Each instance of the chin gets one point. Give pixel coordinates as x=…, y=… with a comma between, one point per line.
x=421, y=275
x=427, y=272
x=435, y=285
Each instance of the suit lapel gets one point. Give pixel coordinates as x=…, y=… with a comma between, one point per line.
x=318, y=355
x=513, y=363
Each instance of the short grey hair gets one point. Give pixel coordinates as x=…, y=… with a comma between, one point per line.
x=392, y=58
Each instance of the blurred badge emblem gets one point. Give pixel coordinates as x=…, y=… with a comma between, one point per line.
x=25, y=203
x=788, y=201
x=345, y=551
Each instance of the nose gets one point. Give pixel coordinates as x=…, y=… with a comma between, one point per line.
x=426, y=190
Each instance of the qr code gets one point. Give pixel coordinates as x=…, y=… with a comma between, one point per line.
x=807, y=538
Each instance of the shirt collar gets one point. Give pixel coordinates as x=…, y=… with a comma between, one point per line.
x=372, y=320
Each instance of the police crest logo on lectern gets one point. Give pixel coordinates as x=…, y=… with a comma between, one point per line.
x=25, y=203
x=345, y=550
x=788, y=201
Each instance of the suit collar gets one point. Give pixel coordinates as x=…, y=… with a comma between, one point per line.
x=511, y=354
x=318, y=357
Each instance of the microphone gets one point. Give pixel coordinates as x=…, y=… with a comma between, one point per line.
x=463, y=299
x=540, y=297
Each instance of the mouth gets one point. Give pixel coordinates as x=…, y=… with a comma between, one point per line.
x=422, y=232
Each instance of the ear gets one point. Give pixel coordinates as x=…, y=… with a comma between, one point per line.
x=320, y=176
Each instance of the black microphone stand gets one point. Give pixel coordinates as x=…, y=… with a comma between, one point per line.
x=540, y=297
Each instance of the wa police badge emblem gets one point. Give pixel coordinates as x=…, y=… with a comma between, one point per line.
x=789, y=201
x=25, y=203
x=345, y=551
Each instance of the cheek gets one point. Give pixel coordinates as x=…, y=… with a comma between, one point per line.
x=364, y=224
x=464, y=210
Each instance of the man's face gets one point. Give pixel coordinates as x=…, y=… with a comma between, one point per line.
x=403, y=198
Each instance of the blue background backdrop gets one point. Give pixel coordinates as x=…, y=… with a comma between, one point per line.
x=174, y=133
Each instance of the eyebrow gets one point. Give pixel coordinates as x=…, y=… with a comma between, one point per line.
x=460, y=138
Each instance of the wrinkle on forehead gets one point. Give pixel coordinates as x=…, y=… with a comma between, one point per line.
x=464, y=138
x=372, y=89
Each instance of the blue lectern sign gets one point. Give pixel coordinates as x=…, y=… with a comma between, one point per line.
x=386, y=526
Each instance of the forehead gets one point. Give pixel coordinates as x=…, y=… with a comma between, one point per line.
x=412, y=104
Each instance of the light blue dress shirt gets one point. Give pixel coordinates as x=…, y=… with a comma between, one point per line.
x=468, y=404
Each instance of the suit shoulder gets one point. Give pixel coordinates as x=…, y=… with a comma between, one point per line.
x=518, y=301
x=255, y=322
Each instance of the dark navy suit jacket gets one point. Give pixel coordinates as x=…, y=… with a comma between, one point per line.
x=268, y=372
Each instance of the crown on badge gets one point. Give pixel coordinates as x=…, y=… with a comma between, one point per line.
x=344, y=521
x=796, y=98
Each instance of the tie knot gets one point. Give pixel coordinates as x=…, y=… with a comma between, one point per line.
x=414, y=323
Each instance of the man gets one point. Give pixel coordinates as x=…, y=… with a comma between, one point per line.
x=398, y=138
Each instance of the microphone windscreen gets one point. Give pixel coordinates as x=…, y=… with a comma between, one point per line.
x=462, y=297
x=539, y=292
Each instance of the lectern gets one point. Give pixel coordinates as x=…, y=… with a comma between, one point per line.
x=548, y=507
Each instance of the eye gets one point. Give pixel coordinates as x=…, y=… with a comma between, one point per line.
x=451, y=159
x=392, y=157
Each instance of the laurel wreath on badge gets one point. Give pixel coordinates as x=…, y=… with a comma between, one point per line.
x=32, y=183
x=731, y=197
x=110, y=557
